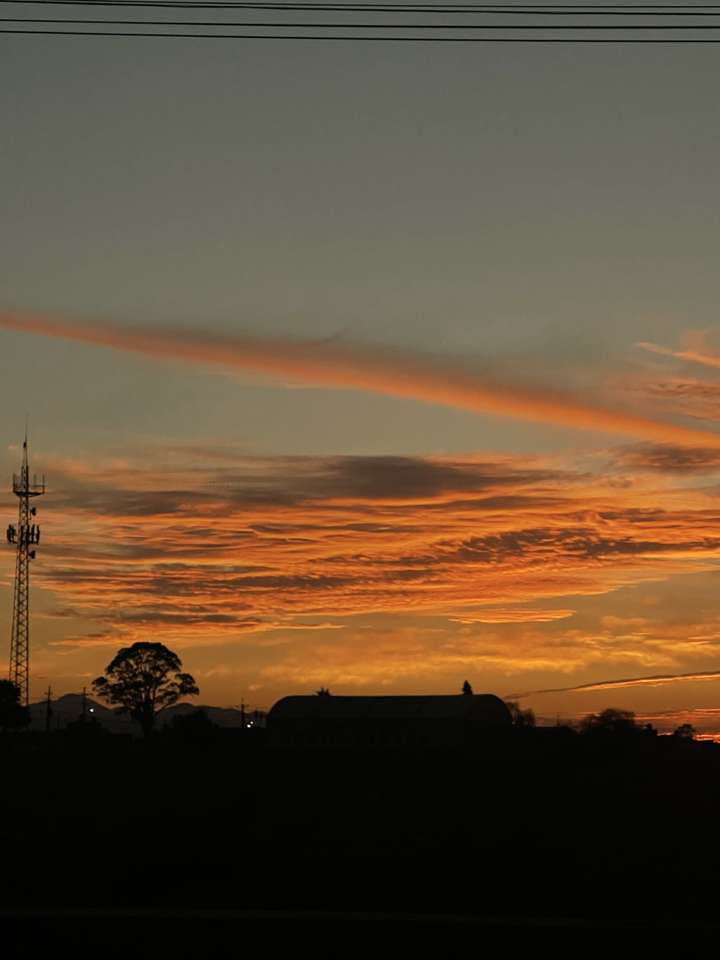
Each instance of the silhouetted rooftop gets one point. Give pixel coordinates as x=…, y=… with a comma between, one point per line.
x=486, y=708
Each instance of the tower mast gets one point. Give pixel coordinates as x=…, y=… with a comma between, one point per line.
x=25, y=537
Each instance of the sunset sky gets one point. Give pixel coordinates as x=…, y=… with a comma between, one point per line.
x=368, y=367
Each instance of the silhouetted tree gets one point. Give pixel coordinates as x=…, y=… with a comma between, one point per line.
x=143, y=680
x=686, y=731
x=520, y=717
x=323, y=692
x=467, y=689
x=13, y=716
x=610, y=721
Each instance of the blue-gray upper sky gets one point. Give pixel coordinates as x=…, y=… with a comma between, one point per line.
x=544, y=206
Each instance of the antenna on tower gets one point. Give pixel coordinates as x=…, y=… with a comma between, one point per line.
x=25, y=537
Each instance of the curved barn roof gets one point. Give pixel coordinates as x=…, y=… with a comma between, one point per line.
x=484, y=708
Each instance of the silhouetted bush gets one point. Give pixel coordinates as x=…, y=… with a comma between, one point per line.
x=193, y=726
x=520, y=717
x=13, y=716
x=86, y=727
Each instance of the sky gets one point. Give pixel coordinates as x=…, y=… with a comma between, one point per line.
x=370, y=367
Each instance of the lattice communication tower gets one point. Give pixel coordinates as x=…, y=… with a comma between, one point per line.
x=25, y=537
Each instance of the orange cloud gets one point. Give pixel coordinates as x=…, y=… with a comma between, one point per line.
x=516, y=615
x=220, y=554
x=377, y=370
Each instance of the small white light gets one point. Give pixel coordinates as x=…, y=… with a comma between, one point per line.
x=92, y=709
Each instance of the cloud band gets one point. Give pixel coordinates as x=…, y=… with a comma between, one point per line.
x=382, y=371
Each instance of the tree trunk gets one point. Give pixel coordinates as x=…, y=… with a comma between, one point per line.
x=147, y=720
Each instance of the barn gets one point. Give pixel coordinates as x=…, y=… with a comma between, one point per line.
x=385, y=721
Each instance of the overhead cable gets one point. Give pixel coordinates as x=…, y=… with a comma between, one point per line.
x=377, y=38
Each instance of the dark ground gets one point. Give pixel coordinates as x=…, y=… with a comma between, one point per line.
x=532, y=840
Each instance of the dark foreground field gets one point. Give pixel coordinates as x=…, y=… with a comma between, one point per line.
x=202, y=848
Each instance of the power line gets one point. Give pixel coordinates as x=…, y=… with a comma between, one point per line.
x=515, y=31
x=366, y=26
x=630, y=10
x=355, y=38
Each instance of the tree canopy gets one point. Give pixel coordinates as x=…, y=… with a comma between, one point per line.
x=609, y=721
x=143, y=680
x=686, y=731
x=520, y=717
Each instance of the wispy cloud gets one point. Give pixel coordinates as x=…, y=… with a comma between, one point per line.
x=683, y=393
x=652, y=681
x=513, y=615
x=667, y=458
x=696, y=351
x=692, y=397
x=375, y=369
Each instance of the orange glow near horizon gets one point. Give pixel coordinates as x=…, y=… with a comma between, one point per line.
x=367, y=573
x=555, y=575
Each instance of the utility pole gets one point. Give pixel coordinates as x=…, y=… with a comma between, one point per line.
x=48, y=709
x=25, y=536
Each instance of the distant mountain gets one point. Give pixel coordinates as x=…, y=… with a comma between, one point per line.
x=222, y=716
x=69, y=708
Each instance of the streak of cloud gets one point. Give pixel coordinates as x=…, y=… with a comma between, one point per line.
x=693, y=354
x=355, y=367
x=653, y=681
x=513, y=616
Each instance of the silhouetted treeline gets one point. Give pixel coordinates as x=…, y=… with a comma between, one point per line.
x=548, y=822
